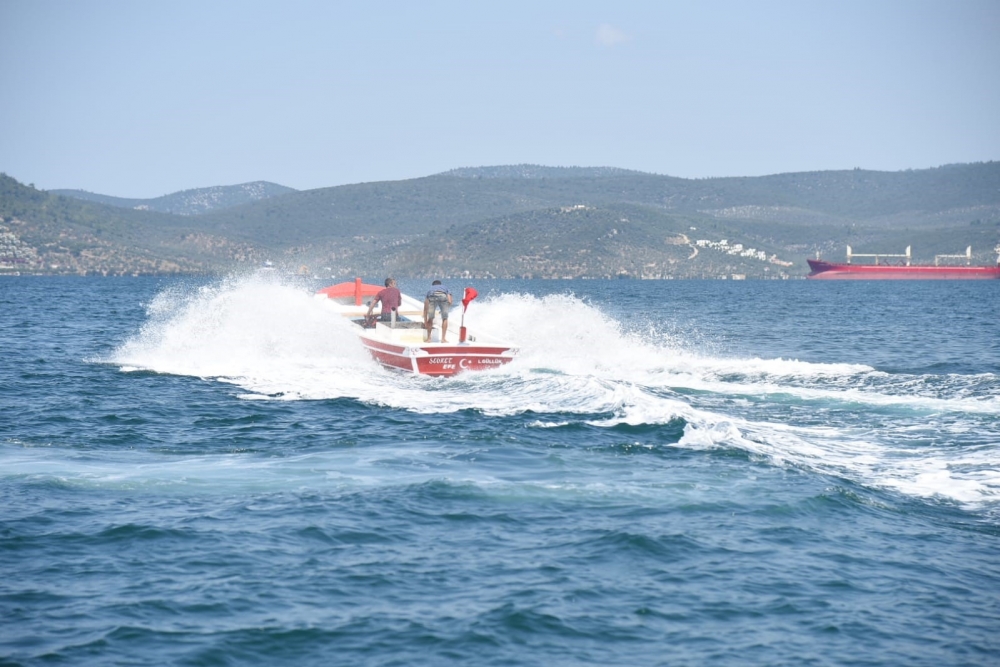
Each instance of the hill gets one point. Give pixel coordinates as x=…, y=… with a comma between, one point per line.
x=189, y=202
x=529, y=171
x=44, y=233
x=544, y=221
x=421, y=205
x=580, y=241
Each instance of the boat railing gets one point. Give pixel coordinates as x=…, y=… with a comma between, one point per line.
x=907, y=255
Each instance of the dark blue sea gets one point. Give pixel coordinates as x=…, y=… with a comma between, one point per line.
x=213, y=472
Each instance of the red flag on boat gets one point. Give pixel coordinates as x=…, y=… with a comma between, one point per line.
x=470, y=294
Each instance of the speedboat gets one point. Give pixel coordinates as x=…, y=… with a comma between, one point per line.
x=403, y=342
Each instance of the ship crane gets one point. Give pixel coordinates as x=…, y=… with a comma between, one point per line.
x=967, y=257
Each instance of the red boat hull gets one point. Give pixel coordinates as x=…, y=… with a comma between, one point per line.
x=437, y=359
x=829, y=271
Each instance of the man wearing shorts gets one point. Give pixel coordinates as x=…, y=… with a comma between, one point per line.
x=437, y=299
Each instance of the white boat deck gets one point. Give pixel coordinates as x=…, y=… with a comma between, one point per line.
x=409, y=330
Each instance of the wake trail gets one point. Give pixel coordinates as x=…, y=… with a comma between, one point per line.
x=276, y=341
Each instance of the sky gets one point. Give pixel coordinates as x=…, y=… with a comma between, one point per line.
x=140, y=99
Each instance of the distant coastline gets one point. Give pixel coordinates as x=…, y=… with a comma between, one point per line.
x=520, y=221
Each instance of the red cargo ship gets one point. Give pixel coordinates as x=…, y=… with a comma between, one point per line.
x=903, y=269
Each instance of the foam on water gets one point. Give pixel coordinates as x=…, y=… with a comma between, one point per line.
x=277, y=342
x=256, y=331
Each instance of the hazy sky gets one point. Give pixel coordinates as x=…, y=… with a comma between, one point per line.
x=143, y=98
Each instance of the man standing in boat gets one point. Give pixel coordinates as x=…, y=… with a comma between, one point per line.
x=437, y=299
x=390, y=298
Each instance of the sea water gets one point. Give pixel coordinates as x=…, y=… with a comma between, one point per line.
x=214, y=472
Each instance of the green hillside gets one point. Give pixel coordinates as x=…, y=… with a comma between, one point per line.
x=931, y=197
x=188, y=202
x=44, y=233
x=576, y=241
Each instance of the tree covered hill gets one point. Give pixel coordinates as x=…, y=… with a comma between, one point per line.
x=189, y=202
x=565, y=242
x=41, y=232
x=545, y=221
x=421, y=205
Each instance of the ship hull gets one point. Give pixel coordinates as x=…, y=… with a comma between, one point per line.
x=830, y=271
